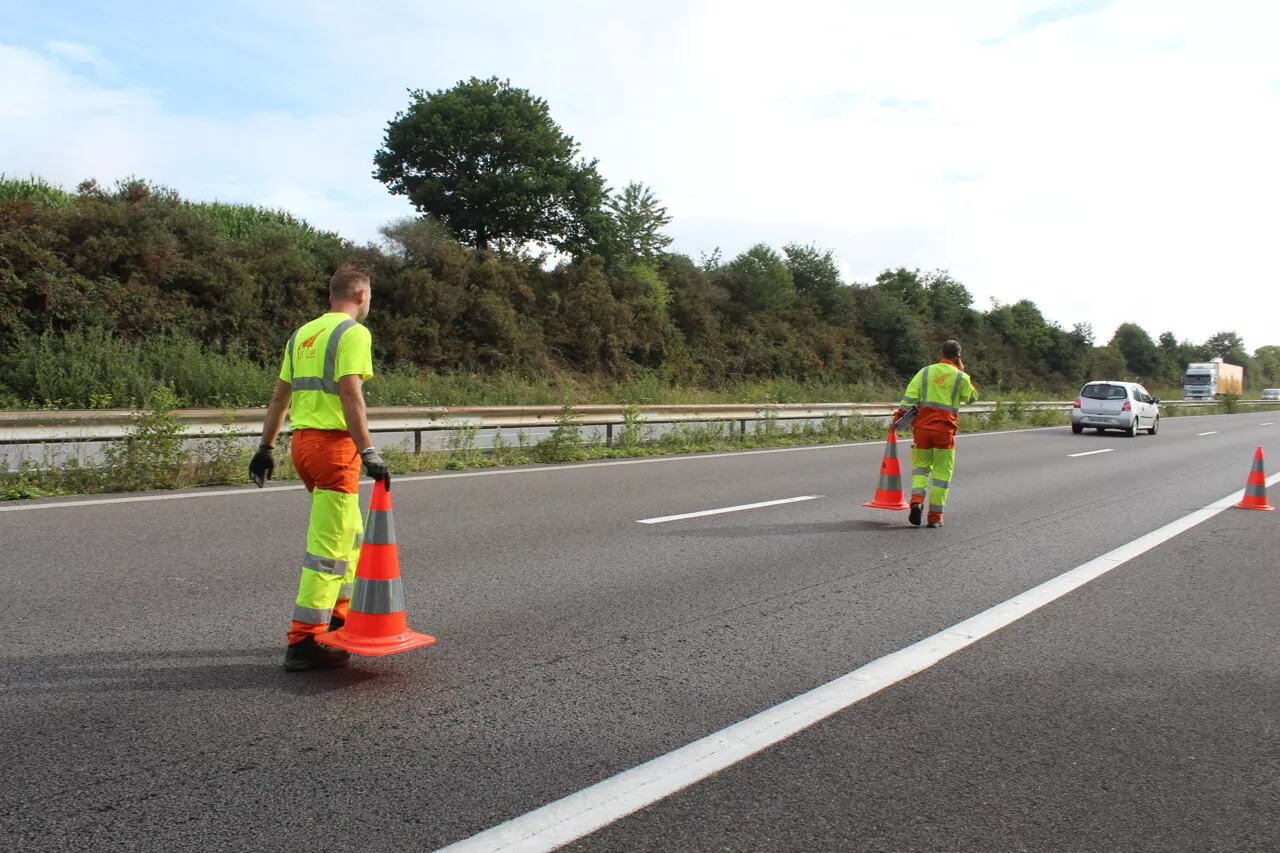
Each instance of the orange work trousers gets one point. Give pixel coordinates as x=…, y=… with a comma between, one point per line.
x=329, y=465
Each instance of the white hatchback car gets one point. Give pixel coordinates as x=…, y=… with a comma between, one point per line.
x=1271, y=393
x=1108, y=405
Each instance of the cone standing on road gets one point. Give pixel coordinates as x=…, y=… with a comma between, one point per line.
x=376, y=623
x=1255, y=488
x=322, y=380
x=938, y=391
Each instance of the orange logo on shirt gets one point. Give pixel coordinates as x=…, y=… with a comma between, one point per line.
x=306, y=348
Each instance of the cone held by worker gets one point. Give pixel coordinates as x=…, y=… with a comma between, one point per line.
x=889, y=486
x=375, y=622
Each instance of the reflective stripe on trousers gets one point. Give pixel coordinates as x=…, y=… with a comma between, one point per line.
x=329, y=566
x=935, y=463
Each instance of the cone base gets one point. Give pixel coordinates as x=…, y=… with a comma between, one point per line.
x=1263, y=508
x=375, y=646
x=880, y=504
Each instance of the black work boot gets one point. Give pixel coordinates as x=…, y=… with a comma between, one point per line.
x=935, y=524
x=308, y=654
x=917, y=510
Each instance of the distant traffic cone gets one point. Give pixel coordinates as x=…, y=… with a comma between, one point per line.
x=889, y=488
x=1255, y=489
x=376, y=623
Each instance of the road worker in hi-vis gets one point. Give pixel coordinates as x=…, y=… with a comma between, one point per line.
x=936, y=392
x=325, y=365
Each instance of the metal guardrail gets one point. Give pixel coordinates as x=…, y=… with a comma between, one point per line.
x=106, y=425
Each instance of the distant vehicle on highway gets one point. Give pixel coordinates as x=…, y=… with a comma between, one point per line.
x=1271, y=393
x=1205, y=380
x=1125, y=406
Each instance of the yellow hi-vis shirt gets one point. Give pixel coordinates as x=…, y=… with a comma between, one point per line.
x=318, y=355
x=939, y=390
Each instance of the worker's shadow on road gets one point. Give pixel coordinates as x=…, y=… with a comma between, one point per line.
x=816, y=528
x=108, y=671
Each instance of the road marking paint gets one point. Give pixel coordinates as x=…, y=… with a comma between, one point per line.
x=722, y=510
x=1091, y=453
x=1211, y=432
x=1269, y=423
x=599, y=805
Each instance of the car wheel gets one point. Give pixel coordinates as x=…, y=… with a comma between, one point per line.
x=1155, y=426
x=1132, y=431
x=1077, y=429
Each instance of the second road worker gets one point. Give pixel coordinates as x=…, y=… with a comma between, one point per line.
x=937, y=392
x=322, y=380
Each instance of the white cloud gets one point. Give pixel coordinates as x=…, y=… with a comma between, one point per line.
x=81, y=54
x=65, y=128
x=1110, y=161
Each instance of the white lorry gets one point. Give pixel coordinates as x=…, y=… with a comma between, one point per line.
x=1205, y=380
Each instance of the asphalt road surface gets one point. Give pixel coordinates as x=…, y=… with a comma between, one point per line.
x=144, y=706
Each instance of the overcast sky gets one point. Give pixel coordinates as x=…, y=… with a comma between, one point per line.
x=1111, y=160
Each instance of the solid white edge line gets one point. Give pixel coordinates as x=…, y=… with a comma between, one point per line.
x=1090, y=453
x=722, y=510
x=578, y=814
x=1211, y=432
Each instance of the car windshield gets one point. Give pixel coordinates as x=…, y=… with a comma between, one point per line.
x=1101, y=391
x=1197, y=379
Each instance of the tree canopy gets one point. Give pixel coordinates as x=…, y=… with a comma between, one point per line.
x=638, y=222
x=486, y=159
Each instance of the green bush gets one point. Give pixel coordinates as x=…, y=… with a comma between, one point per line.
x=95, y=369
x=152, y=456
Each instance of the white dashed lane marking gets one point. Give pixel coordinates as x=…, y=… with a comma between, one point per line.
x=722, y=510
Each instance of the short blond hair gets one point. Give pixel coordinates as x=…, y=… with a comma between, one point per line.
x=346, y=282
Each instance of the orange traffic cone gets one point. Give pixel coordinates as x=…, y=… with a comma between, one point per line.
x=1255, y=489
x=376, y=623
x=889, y=488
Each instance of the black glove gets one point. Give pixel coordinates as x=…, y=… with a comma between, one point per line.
x=262, y=465
x=375, y=466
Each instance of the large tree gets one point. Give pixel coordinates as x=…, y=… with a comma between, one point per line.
x=1227, y=346
x=817, y=277
x=638, y=222
x=906, y=286
x=762, y=280
x=1267, y=361
x=950, y=303
x=1139, y=351
x=486, y=159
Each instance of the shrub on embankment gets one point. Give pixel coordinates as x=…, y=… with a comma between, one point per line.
x=106, y=290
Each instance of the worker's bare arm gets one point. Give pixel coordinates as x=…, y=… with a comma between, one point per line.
x=351, y=393
x=280, y=399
